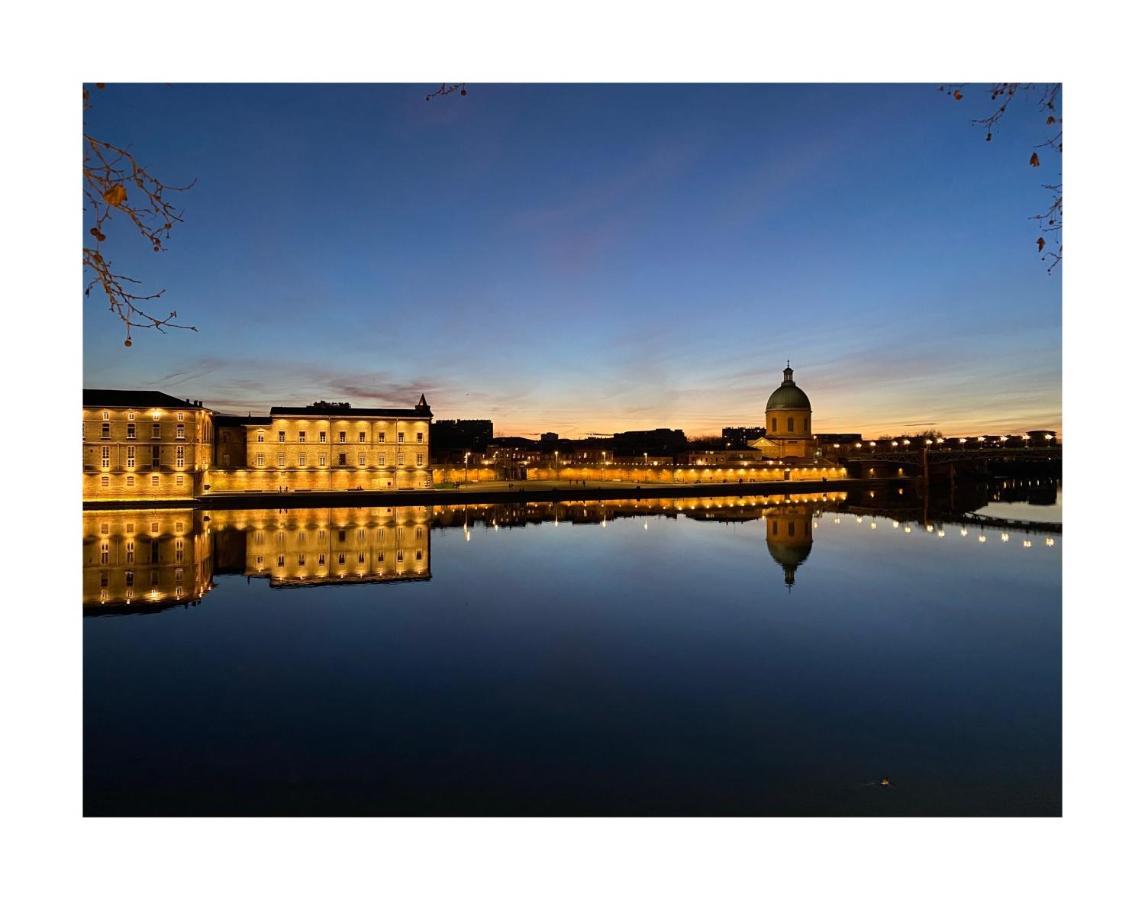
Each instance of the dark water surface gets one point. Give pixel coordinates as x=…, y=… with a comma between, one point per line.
x=325, y=662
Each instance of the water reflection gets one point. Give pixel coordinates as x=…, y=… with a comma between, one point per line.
x=147, y=560
x=735, y=655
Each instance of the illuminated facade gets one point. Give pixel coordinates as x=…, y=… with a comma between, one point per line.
x=141, y=445
x=788, y=422
x=147, y=445
x=324, y=447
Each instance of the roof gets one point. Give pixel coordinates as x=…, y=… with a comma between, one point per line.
x=351, y=412
x=133, y=399
x=230, y=421
x=788, y=396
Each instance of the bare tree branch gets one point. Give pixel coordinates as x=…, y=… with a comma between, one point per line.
x=1048, y=98
x=117, y=186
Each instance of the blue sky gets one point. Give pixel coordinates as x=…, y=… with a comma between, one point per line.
x=593, y=258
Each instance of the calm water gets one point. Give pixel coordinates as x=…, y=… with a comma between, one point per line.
x=735, y=658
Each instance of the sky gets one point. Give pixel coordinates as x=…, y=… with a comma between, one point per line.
x=593, y=258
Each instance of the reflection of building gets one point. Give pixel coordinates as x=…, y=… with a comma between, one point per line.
x=324, y=447
x=789, y=538
x=788, y=421
x=143, y=445
x=301, y=547
x=144, y=558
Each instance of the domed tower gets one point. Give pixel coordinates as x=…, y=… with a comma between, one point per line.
x=789, y=538
x=788, y=420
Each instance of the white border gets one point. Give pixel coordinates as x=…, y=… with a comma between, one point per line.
x=53, y=851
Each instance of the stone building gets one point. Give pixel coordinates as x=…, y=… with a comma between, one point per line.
x=788, y=422
x=324, y=447
x=140, y=445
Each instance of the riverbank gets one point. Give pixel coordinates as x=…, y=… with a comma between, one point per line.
x=499, y=492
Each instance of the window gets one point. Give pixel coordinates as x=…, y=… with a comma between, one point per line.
x=341, y=437
x=155, y=415
x=104, y=481
x=131, y=417
x=131, y=481
x=401, y=437
x=155, y=481
x=774, y=424
x=178, y=528
x=419, y=437
x=282, y=437
x=381, y=459
x=180, y=456
x=131, y=551
x=381, y=437
x=790, y=423
x=154, y=431
x=321, y=437
x=302, y=460
x=361, y=459
x=321, y=459
x=805, y=426
x=281, y=560
x=155, y=456
x=105, y=430
x=180, y=432
x=179, y=575
x=361, y=437
x=421, y=459
x=260, y=459
x=341, y=459
x=226, y=458
x=105, y=457
x=401, y=459
x=131, y=431
x=260, y=437
x=131, y=457
x=301, y=559
x=302, y=437
x=281, y=460
x=178, y=481
x=179, y=416
x=104, y=528
x=129, y=579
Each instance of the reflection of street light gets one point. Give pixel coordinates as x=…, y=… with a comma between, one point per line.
x=466, y=466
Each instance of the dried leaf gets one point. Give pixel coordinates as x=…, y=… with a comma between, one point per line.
x=1034, y=161
x=1041, y=244
x=115, y=195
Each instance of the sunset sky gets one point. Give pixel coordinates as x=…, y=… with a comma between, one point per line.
x=593, y=258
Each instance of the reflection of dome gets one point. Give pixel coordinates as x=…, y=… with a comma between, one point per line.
x=788, y=395
x=789, y=540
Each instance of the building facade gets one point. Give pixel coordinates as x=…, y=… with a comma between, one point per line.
x=147, y=445
x=324, y=447
x=140, y=445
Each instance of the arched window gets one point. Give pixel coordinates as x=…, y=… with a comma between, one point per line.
x=791, y=423
x=774, y=424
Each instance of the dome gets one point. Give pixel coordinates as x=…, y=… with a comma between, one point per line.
x=788, y=395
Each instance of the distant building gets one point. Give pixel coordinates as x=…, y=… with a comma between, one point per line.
x=453, y=438
x=737, y=438
x=656, y=442
x=788, y=422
